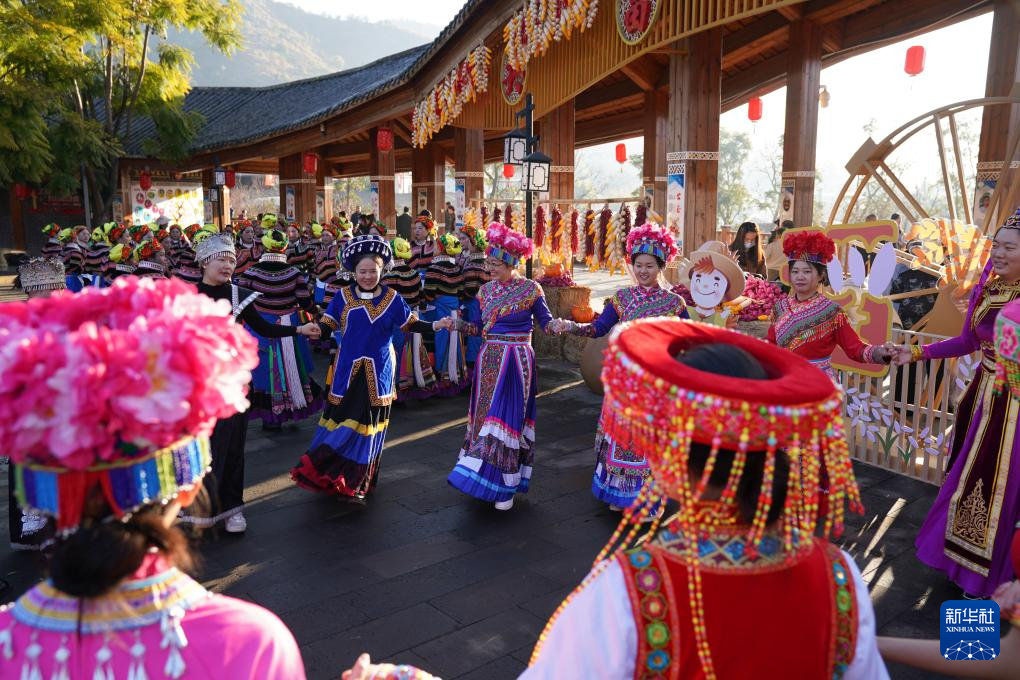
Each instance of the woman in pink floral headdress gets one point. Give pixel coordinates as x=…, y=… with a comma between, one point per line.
x=619, y=472
x=495, y=461
x=112, y=447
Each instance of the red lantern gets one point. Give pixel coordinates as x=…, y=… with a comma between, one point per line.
x=145, y=180
x=229, y=179
x=621, y=153
x=384, y=139
x=310, y=163
x=754, y=109
x=915, y=60
x=21, y=192
x=508, y=170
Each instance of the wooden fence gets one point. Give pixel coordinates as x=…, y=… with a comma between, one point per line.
x=905, y=421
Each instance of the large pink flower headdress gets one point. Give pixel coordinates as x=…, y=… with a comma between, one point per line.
x=117, y=390
x=507, y=245
x=652, y=239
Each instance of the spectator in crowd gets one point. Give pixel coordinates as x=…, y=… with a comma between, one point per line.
x=451, y=217
x=404, y=224
x=747, y=251
x=356, y=217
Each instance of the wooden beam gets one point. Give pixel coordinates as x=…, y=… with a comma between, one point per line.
x=791, y=12
x=751, y=39
x=644, y=71
x=607, y=93
x=608, y=129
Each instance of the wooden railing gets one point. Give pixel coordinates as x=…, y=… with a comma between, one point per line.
x=905, y=421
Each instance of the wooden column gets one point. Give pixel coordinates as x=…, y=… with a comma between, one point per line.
x=428, y=179
x=656, y=125
x=17, y=220
x=323, y=193
x=294, y=181
x=380, y=171
x=803, y=78
x=556, y=132
x=695, y=90
x=999, y=122
x=468, y=162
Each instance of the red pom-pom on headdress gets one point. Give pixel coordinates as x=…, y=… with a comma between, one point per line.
x=809, y=246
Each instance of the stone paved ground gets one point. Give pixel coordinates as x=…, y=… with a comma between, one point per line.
x=427, y=576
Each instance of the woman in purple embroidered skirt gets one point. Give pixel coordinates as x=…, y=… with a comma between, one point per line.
x=620, y=472
x=495, y=462
x=968, y=530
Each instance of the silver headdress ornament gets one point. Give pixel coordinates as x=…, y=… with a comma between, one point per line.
x=42, y=274
x=216, y=244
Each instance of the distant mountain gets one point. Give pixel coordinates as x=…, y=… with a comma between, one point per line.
x=283, y=43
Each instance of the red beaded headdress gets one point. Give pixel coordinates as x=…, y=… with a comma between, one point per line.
x=658, y=407
x=809, y=246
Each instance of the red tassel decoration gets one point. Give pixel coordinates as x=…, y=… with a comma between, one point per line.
x=590, y=255
x=574, y=228
x=539, y=226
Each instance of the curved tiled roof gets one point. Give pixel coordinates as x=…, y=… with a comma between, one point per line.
x=242, y=115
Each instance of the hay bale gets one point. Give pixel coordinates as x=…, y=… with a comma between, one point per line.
x=547, y=346
x=573, y=348
x=758, y=329
x=552, y=298
x=576, y=296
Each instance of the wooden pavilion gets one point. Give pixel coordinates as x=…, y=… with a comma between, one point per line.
x=653, y=68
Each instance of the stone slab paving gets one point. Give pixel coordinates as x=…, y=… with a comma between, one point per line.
x=425, y=575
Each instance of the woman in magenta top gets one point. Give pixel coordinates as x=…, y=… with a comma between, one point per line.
x=113, y=471
x=969, y=527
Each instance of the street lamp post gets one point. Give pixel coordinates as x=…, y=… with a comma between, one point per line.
x=520, y=148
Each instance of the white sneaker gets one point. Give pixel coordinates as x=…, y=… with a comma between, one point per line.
x=505, y=505
x=32, y=522
x=236, y=524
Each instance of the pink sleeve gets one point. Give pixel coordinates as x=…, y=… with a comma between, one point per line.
x=963, y=344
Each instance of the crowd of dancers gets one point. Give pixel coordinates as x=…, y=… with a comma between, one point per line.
x=726, y=454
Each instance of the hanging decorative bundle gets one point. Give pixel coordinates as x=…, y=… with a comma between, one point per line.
x=496, y=214
x=447, y=98
x=603, y=243
x=540, y=23
x=615, y=237
x=556, y=228
x=539, y=228
x=575, y=229
x=485, y=217
x=625, y=221
x=640, y=215
x=590, y=253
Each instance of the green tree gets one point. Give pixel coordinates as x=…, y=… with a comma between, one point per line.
x=76, y=75
x=734, y=199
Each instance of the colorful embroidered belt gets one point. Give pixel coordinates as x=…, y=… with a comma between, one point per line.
x=522, y=339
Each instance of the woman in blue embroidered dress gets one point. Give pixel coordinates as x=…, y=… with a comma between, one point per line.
x=619, y=471
x=495, y=462
x=343, y=458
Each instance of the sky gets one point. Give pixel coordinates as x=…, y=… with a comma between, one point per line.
x=865, y=88
x=435, y=12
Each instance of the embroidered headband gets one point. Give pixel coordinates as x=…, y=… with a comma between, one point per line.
x=365, y=245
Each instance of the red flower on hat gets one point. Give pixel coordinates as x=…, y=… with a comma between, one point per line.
x=811, y=246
